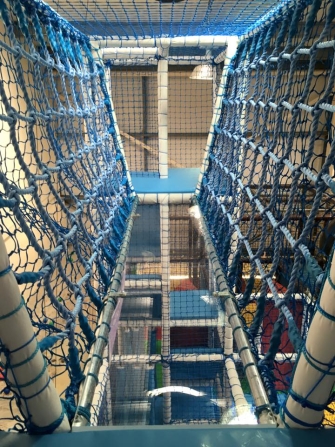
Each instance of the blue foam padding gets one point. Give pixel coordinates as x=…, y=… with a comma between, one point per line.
x=188, y=304
x=178, y=181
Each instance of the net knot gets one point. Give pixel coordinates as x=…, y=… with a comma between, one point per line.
x=166, y=360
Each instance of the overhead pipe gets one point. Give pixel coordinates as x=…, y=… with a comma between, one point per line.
x=163, y=42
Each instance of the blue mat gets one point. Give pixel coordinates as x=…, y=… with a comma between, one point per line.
x=179, y=181
x=189, y=305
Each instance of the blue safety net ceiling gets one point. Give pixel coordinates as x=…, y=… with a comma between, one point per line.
x=154, y=18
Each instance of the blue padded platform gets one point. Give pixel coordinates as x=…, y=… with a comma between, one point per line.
x=187, y=305
x=178, y=181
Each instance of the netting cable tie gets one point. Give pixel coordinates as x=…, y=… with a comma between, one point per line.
x=287, y=105
x=327, y=107
x=327, y=44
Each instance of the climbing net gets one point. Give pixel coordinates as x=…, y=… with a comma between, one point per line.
x=65, y=194
x=268, y=192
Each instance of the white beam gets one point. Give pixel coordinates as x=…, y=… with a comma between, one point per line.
x=173, y=60
x=128, y=53
x=162, y=81
x=157, y=358
x=163, y=42
x=171, y=198
x=204, y=322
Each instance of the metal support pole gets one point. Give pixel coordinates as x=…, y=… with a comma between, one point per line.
x=165, y=262
x=95, y=362
x=228, y=300
x=162, y=81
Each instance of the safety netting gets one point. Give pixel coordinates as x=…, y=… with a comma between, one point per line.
x=166, y=364
x=268, y=192
x=143, y=18
x=267, y=196
x=65, y=196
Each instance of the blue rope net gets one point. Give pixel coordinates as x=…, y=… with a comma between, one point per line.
x=143, y=18
x=267, y=196
x=268, y=192
x=64, y=195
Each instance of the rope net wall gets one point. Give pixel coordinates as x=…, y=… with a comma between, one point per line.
x=64, y=194
x=268, y=192
x=167, y=363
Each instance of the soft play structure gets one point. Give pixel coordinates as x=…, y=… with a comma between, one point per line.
x=167, y=216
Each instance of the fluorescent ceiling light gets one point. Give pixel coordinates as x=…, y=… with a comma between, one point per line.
x=202, y=72
x=194, y=211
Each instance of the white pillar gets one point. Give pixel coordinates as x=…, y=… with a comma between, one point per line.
x=165, y=262
x=27, y=369
x=313, y=377
x=162, y=80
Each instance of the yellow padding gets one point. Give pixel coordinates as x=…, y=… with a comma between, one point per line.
x=329, y=418
x=248, y=313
